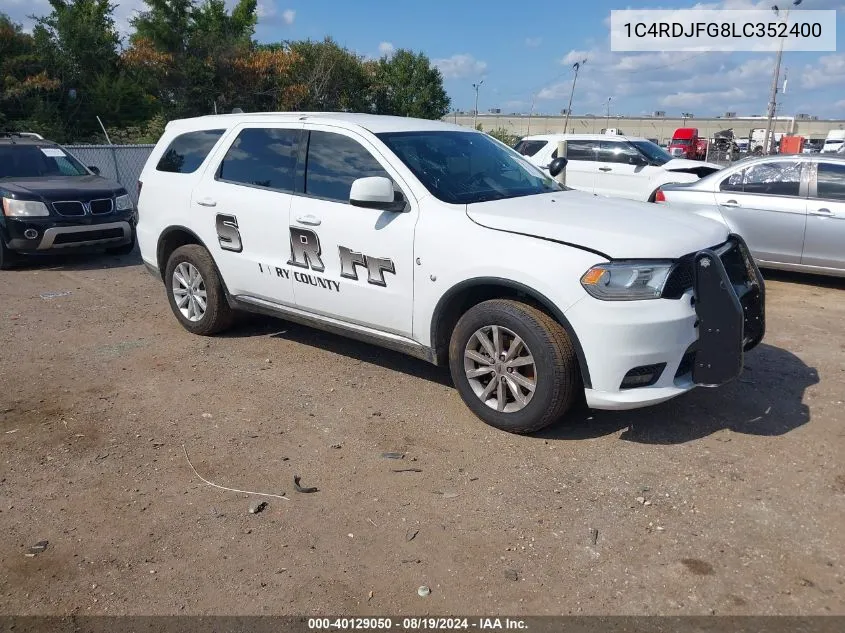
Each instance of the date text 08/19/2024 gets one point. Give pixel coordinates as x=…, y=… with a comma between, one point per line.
x=416, y=623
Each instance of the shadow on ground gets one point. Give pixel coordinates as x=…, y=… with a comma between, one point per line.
x=805, y=279
x=83, y=260
x=766, y=400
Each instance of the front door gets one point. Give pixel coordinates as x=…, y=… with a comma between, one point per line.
x=349, y=262
x=824, y=243
x=623, y=172
x=766, y=203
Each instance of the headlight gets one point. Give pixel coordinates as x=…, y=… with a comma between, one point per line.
x=122, y=203
x=24, y=208
x=626, y=281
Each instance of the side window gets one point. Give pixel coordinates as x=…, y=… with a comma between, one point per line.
x=616, y=152
x=831, y=181
x=334, y=162
x=187, y=151
x=265, y=157
x=529, y=148
x=733, y=182
x=580, y=150
x=775, y=178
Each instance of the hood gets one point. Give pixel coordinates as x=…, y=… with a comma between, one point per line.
x=697, y=167
x=62, y=187
x=620, y=229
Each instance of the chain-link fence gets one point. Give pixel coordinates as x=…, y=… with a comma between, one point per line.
x=122, y=163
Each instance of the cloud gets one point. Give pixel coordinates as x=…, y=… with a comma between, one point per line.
x=726, y=98
x=829, y=71
x=386, y=49
x=288, y=15
x=460, y=66
x=533, y=42
x=266, y=9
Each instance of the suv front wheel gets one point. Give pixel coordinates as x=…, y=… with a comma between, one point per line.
x=195, y=291
x=513, y=365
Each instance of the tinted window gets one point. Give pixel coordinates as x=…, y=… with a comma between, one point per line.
x=616, y=152
x=580, y=150
x=529, y=148
x=31, y=161
x=262, y=157
x=467, y=167
x=187, y=151
x=831, y=181
x=334, y=162
x=733, y=182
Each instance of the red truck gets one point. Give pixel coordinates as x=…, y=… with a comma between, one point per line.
x=686, y=143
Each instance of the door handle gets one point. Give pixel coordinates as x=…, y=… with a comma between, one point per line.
x=822, y=211
x=207, y=202
x=310, y=220
x=730, y=203
x=605, y=169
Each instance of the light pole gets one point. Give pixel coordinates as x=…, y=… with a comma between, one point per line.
x=775, y=78
x=475, y=116
x=577, y=67
x=607, y=121
x=686, y=115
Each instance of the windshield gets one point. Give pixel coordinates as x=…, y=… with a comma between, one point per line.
x=681, y=141
x=654, y=153
x=32, y=161
x=467, y=167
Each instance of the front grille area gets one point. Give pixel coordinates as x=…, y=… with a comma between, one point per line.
x=70, y=207
x=737, y=265
x=88, y=236
x=686, y=364
x=102, y=206
x=680, y=279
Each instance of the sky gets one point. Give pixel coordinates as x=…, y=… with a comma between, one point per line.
x=524, y=51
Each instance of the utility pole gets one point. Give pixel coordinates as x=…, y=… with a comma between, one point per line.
x=576, y=66
x=775, y=80
x=686, y=115
x=475, y=116
x=607, y=122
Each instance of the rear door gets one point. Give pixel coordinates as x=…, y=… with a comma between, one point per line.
x=581, y=167
x=246, y=195
x=766, y=203
x=623, y=172
x=824, y=243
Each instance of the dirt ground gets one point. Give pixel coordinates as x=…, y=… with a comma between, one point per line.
x=727, y=501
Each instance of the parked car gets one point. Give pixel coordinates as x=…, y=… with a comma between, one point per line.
x=51, y=202
x=618, y=166
x=445, y=244
x=790, y=209
x=834, y=142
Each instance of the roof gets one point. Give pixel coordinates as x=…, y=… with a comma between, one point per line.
x=582, y=137
x=375, y=123
x=23, y=140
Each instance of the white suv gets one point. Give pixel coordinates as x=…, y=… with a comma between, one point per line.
x=618, y=166
x=445, y=244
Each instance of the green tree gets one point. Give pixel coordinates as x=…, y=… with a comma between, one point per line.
x=501, y=134
x=330, y=77
x=406, y=84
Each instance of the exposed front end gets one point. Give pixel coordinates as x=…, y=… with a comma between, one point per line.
x=711, y=311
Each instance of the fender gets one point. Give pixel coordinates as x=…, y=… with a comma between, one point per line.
x=522, y=289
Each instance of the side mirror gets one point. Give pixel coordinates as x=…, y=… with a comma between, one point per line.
x=376, y=192
x=94, y=169
x=557, y=166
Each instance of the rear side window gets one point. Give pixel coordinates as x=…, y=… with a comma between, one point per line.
x=774, y=179
x=580, y=150
x=187, y=151
x=264, y=157
x=831, y=181
x=529, y=148
x=334, y=162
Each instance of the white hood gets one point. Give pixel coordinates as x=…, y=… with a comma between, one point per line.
x=685, y=163
x=621, y=229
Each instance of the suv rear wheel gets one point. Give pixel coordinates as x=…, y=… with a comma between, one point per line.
x=513, y=365
x=195, y=291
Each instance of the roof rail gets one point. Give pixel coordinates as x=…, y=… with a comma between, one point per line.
x=23, y=135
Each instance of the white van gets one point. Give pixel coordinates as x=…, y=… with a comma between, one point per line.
x=835, y=139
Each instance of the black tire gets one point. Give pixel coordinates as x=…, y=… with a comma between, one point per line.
x=123, y=249
x=218, y=314
x=557, y=376
x=8, y=258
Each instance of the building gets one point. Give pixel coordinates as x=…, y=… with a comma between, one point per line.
x=653, y=127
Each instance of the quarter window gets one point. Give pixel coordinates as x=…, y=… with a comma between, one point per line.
x=831, y=181
x=264, y=157
x=334, y=163
x=186, y=152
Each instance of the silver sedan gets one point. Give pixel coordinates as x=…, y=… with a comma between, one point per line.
x=789, y=208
